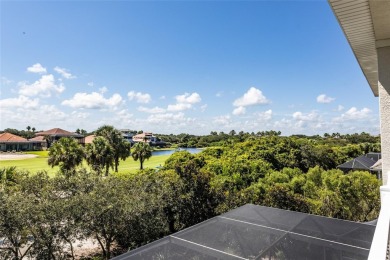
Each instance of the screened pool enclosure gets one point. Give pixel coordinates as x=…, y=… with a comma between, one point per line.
x=256, y=232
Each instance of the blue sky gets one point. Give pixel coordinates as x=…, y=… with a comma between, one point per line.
x=181, y=66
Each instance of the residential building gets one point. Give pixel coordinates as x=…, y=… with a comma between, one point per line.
x=10, y=142
x=55, y=134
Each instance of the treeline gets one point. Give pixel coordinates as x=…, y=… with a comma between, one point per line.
x=221, y=138
x=43, y=217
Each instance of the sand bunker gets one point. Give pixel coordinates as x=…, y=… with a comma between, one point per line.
x=13, y=156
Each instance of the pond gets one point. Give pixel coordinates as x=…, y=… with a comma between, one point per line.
x=169, y=152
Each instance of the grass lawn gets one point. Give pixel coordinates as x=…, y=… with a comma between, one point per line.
x=34, y=165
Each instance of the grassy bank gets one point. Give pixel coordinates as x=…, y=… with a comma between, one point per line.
x=34, y=165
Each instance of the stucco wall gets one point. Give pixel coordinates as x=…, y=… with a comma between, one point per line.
x=384, y=107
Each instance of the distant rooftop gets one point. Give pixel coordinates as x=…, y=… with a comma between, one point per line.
x=58, y=132
x=359, y=163
x=257, y=232
x=8, y=137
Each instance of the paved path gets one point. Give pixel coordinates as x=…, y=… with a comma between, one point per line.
x=13, y=156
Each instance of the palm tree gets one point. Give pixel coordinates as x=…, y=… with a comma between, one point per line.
x=141, y=151
x=33, y=129
x=49, y=140
x=120, y=147
x=28, y=128
x=67, y=153
x=99, y=155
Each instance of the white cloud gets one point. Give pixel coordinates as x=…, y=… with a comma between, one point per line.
x=154, y=110
x=5, y=81
x=93, y=101
x=253, y=96
x=239, y=111
x=90, y=84
x=203, y=107
x=312, y=116
x=179, y=107
x=43, y=87
x=340, y=108
x=124, y=115
x=21, y=101
x=353, y=114
x=324, y=99
x=36, y=68
x=184, y=102
x=64, y=73
x=81, y=115
x=188, y=98
x=167, y=118
x=219, y=94
x=103, y=90
x=222, y=120
x=139, y=97
x=50, y=112
x=264, y=116
x=162, y=97
x=304, y=120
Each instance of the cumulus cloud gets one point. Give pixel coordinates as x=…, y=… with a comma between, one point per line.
x=179, y=107
x=93, y=100
x=36, y=68
x=154, y=110
x=184, y=102
x=64, y=73
x=239, y=111
x=340, y=108
x=263, y=116
x=222, y=120
x=324, y=99
x=21, y=101
x=188, y=98
x=81, y=115
x=139, y=97
x=43, y=87
x=303, y=120
x=354, y=114
x=124, y=115
x=253, y=96
x=167, y=118
x=203, y=107
x=312, y=116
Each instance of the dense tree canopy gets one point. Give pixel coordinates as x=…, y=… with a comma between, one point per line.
x=45, y=216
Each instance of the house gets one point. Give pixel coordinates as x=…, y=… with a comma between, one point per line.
x=149, y=138
x=144, y=137
x=128, y=134
x=10, y=142
x=363, y=162
x=55, y=134
x=39, y=143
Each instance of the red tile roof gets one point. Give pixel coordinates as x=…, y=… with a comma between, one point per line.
x=58, y=132
x=8, y=137
x=40, y=138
